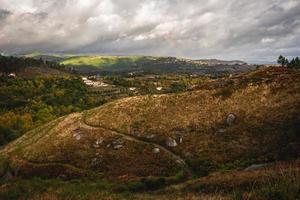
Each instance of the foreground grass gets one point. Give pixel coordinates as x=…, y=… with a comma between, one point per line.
x=281, y=182
x=284, y=187
x=81, y=190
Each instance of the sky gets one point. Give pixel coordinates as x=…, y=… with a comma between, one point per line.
x=252, y=30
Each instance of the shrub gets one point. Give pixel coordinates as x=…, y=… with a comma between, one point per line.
x=153, y=183
x=4, y=166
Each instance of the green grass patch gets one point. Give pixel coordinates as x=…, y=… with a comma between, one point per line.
x=105, y=61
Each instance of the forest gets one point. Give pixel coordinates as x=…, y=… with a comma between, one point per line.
x=10, y=64
x=26, y=103
x=292, y=63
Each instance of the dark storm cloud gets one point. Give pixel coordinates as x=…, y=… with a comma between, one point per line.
x=235, y=29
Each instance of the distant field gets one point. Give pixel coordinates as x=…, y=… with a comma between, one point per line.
x=105, y=61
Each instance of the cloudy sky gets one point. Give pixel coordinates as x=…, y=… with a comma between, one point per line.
x=255, y=31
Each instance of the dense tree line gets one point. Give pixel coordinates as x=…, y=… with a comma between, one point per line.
x=10, y=64
x=293, y=63
x=28, y=103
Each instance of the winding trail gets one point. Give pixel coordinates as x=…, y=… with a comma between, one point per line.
x=126, y=136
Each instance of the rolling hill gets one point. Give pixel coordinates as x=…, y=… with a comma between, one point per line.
x=93, y=64
x=152, y=141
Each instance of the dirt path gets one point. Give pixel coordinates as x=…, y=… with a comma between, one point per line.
x=126, y=136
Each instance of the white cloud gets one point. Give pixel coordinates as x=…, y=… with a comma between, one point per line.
x=267, y=40
x=231, y=29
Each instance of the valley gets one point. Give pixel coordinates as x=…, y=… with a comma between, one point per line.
x=214, y=138
x=149, y=100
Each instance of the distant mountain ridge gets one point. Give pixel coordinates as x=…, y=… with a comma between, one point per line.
x=220, y=62
x=94, y=64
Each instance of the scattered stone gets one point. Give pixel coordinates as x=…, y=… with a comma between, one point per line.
x=258, y=166
x=119, y=146
x=108, y=145
x=170, y=142
x=77, y=134
x=78, y=137
x=178, y=135
x=118, y=141
x=151, y=136
x=180, y=140
x=156, y=150
x=231, y=118
x=221, y=130
x=98, y=143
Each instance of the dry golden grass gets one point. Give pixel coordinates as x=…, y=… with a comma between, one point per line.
x=53, y=151
x=266, y=103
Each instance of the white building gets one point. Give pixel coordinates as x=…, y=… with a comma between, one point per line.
x=12, y=75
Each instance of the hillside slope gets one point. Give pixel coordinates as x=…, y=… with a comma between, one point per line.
x=153, y=65
x=95, y=64
x=30, y=67
x=226, y=124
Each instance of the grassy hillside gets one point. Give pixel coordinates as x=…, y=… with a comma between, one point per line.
x=266, y=105
x=105, y=61
x=207, y=136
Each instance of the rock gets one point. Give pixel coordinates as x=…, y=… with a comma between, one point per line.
x=119, y=146
x=118, y=141
x=151, y=136
x=170, y=142
x=77, y=134
x=221, y=130
x=98, y=143
x=156, y=150
x=231, y=118
x=180, y=139
x=178, y=135
x=258, y=166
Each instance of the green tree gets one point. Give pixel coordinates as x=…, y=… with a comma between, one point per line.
x=282, y=60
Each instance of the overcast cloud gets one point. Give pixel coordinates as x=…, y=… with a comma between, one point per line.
x=256, y=30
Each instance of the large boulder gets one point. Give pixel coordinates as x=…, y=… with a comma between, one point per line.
x=170, y=142
x=231, y=118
